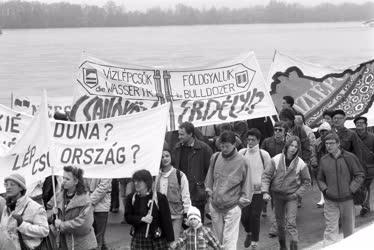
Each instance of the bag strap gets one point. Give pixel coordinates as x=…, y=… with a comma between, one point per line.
x=214, y=162
x=179, y=177
x=262, y=157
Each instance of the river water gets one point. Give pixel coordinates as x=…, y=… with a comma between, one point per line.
x=33, y=59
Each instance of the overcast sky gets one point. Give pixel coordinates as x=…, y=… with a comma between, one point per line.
x=146, y=4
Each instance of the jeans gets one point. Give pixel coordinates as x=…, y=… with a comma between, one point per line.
x=251, y=216
x=99, y=225
x=333, y=211
x=177, y=227
x=226, y=226
x=285, y=214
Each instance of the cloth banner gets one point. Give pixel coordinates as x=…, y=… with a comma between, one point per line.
x=226, y=92
x=30, y=104
x=30, y=155
x=12, y=125
x=112, y=148
x=108, y=148
x=316, y=88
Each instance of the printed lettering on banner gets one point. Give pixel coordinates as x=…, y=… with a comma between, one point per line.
x=30, y=156
x=112, y=148
x=12, y=125
x=233, y=90
x=30, y=104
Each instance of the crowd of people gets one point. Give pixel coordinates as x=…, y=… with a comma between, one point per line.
x=229, y=174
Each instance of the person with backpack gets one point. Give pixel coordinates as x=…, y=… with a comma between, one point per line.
x=340, y=175
x=24, y=220
x=288, y=177
x=149, y=215
x=228, y=185
x=173, y=184
x=258, y=159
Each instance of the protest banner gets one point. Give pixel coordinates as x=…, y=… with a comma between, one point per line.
x=30, y=155
x=12, y=125
x=108, y=148
x=112, y=148
x=230, y=91
x=316, y=88
x=30, y=104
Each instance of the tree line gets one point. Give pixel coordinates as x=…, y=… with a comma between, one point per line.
x=19, y=14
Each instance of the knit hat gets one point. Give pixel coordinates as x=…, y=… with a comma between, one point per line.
x=193, y=212
x=287, y=114
x=17, y=178
x=324, y=126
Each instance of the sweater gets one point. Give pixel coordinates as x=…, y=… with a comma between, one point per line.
x=227, y=181
x=257, y=161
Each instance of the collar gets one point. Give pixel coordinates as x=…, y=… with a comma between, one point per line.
x=253, y=150
x=230, y=155
x=166, y=174
x=338, y=154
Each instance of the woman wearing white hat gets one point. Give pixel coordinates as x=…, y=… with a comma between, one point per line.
x=25, y=220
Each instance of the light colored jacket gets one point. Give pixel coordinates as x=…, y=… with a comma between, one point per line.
x=293, y=180
x=2, y=205
x=100, y=190
x=77, y=219
x=34, y=226
x=5, y=242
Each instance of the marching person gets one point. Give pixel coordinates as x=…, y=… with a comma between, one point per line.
x=100, y=195
x=197, y=236
x=228, y=185
x=340, y=175
x=192, y=156
x=24, y=220
x=174, y=184
x=274, y=145
x=258, y=160
x=137, y=214
x=320, y=149
x=75, y=213
x=290, y=178
x=367, y=139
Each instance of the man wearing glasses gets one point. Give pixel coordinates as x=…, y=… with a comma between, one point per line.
x=340, y=175
x=274, y=145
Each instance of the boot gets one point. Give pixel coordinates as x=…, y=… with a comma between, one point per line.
x=282, y=245
x=293, y=245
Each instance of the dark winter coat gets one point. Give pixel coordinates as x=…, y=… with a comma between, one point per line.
x=198, y=165
x=338, y=178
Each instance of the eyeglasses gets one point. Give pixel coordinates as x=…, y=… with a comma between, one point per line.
x=278, y=130
x=330, y=143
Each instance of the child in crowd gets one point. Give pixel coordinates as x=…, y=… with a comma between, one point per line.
x=197, y=236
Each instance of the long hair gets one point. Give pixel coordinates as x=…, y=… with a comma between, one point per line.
x=289, y=141
x=78, y=174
